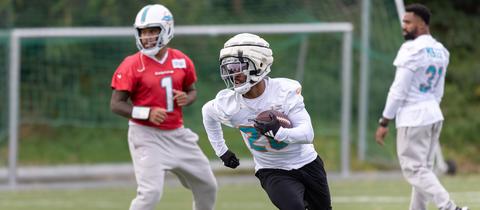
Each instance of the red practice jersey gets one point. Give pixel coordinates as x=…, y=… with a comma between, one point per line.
x=151, y=83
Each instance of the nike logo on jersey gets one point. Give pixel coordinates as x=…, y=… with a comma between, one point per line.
x=163, y=72
x=179, y=63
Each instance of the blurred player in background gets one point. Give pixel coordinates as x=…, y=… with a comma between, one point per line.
x=159, y=81
x=414, y=100
x=440, y=166
x=286, y=163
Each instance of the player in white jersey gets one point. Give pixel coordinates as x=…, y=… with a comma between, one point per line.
x=287, y=165
x=414, y=101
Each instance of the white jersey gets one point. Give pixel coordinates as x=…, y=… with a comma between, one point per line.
x=415, y=95
x=291, y=149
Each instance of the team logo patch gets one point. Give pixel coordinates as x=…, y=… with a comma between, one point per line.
x=179, y=63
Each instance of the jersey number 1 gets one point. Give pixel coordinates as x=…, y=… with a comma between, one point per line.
x=167, y=84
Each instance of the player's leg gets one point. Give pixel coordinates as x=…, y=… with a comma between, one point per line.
x=194, y=171
x=414, y=146
x=419, y=199
x=441, y=166
x=437, y=128
x=285, y=191
x=317, y=193
x=149, y=169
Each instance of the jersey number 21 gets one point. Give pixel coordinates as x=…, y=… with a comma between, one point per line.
x=433, y=75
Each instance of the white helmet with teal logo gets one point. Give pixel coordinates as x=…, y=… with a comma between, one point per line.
x=154, y=16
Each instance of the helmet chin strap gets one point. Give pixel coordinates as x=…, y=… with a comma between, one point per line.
x=151, y=51
x=244, y=88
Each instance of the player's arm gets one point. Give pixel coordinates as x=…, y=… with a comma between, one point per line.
x=398, y=92
x=213, y=128
x=214, y=131
x=119, y=104
x=302, y=131
x=396, y=96
x=185, y=97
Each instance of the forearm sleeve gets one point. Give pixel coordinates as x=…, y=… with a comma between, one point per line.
x=398, y=92
x=214, y=130
x=302, y=131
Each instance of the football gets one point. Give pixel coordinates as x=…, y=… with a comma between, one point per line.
x=282, y=118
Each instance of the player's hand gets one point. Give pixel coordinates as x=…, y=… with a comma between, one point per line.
x=267, y=128
x=380, y=135
x=230, y=160
x=180, y=97
x=157, y=115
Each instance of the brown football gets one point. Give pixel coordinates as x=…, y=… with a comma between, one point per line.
x=282, y=118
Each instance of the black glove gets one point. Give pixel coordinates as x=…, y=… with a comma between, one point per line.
x=230, y=160
x=267, y=128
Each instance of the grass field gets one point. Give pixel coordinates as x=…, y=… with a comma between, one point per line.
x=359, y=194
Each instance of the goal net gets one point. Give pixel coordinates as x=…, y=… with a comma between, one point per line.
x=64, y=86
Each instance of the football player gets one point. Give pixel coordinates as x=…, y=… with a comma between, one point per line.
x=414, y=100
x=286, y=163
x=159, y=81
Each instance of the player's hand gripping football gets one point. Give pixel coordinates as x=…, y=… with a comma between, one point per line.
x=268, y=128
x=180, y=97
x=157, y=115
x=230, y=160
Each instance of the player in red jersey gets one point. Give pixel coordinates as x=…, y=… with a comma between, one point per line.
x=159, y=81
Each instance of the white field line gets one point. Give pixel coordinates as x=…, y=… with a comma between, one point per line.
x=464, y=197
x=370, y=199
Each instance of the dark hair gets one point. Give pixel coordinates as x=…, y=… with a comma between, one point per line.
x=420, y=10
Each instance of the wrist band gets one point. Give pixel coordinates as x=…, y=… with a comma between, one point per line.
x=140, y=112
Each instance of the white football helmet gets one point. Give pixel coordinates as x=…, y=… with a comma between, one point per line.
x=150, y=16
x=246, y=54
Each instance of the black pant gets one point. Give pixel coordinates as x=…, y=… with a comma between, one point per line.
x=298, y=189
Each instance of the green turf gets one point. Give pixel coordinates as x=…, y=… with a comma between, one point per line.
x=47, y=145
x=391, y=194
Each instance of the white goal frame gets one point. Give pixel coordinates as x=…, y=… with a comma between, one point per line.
x=17, y=35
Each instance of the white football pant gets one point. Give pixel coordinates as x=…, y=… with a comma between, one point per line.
x=416, y=148
x=155, y=151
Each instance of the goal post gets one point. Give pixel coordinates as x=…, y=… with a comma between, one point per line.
x=15, y=65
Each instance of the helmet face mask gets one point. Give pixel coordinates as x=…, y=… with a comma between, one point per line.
x=236, y=73
x=149, y=37
x=244, y=61
x=152, y=17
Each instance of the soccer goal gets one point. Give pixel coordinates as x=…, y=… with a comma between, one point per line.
x=61, y=76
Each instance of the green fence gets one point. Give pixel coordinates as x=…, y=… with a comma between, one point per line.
x=3, y=85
